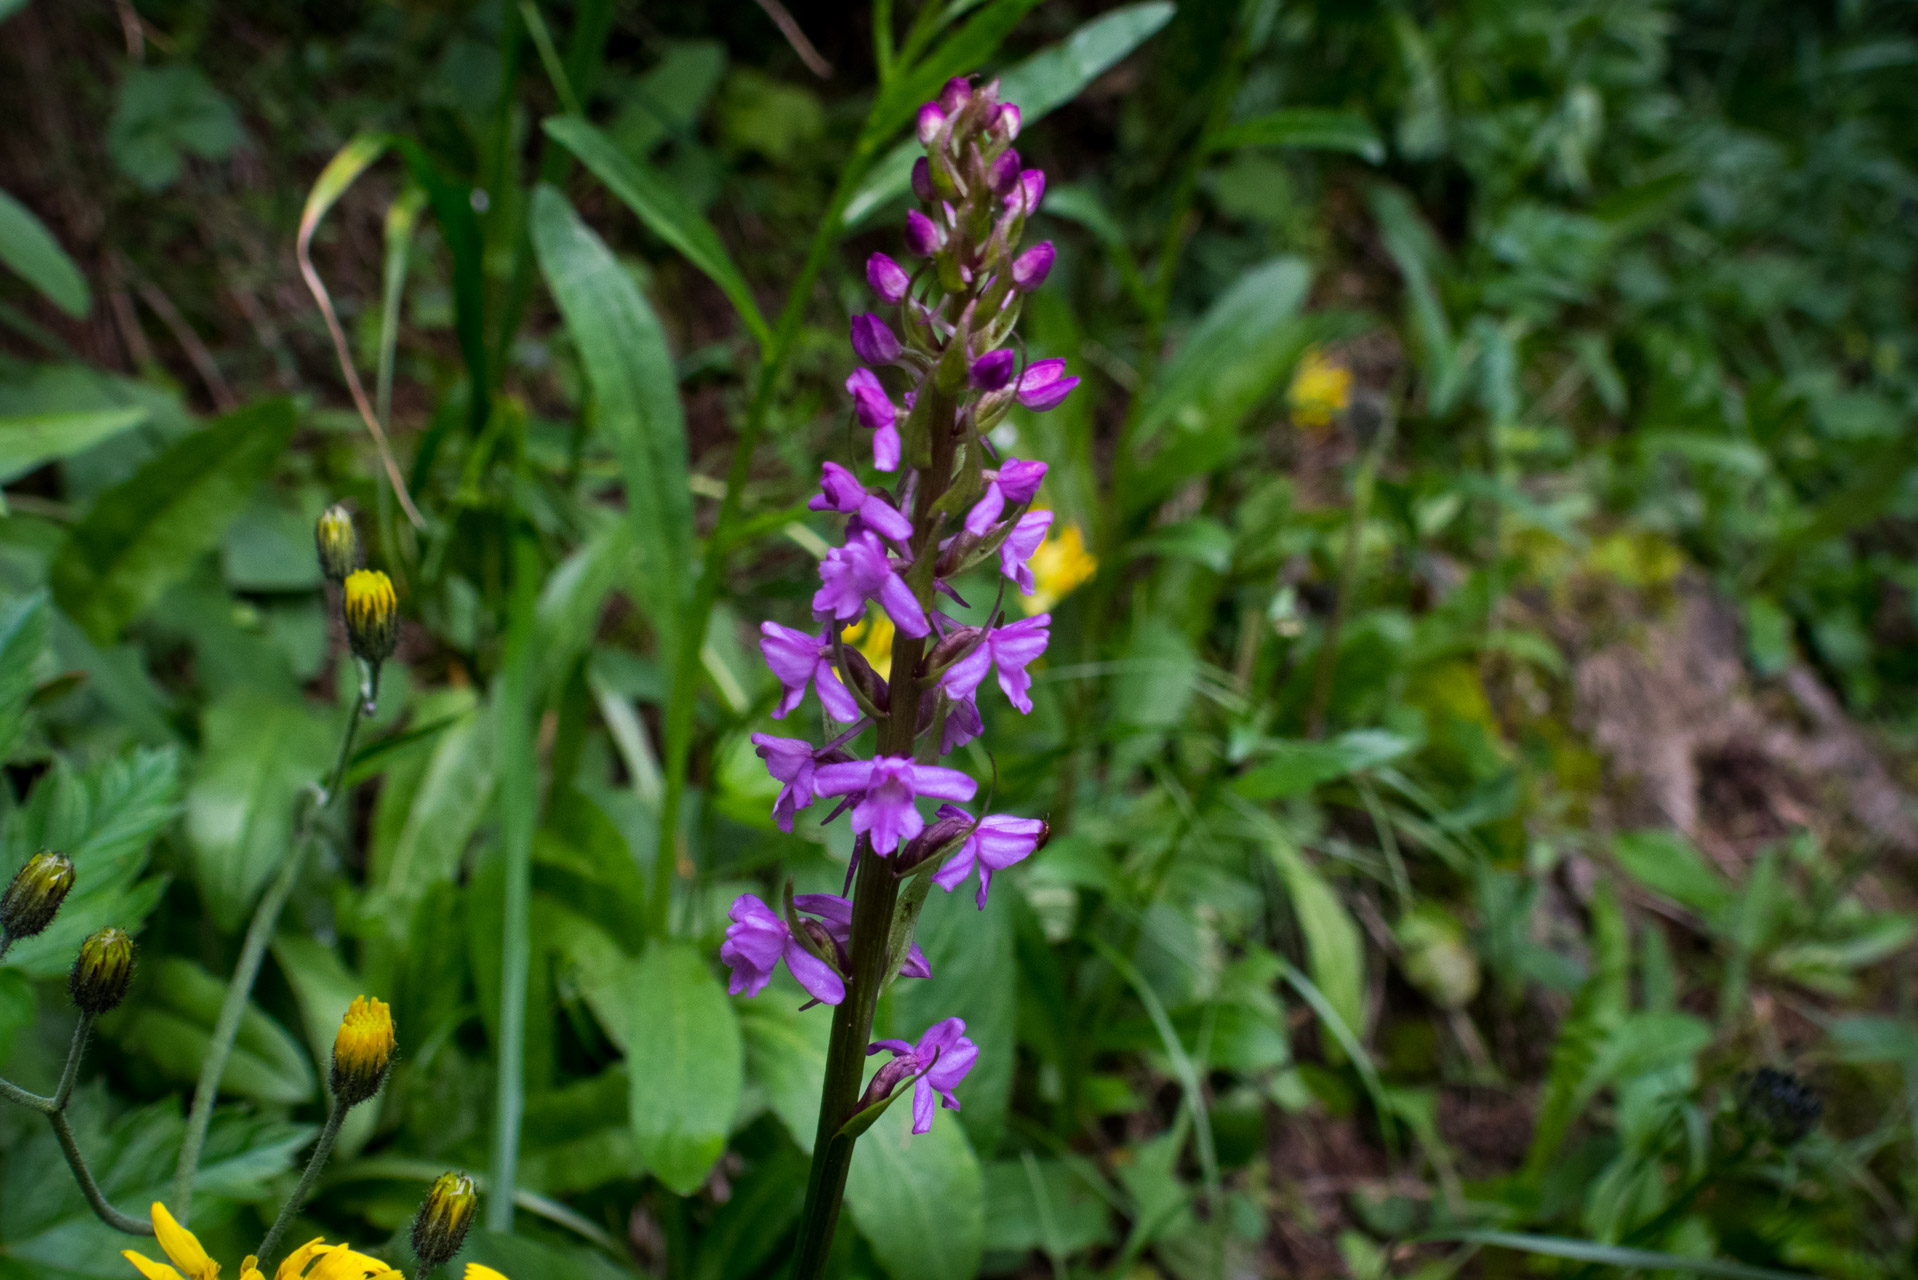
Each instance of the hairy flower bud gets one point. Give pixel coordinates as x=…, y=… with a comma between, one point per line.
x=337, y=543
x=445, y=1215
x=362, y=1051
x=372, y=615
x=100, y=975
x=34, y=897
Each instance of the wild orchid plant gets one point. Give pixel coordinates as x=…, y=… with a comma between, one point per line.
x=954, y=506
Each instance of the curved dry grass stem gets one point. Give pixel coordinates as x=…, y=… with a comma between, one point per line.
x=309, y=222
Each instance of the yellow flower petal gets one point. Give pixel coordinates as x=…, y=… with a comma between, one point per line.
x=294, y=1268
x=341, y=1262
x=150, y=1269
x=182, y=1246
x=250, y=1269
x=474, y=1271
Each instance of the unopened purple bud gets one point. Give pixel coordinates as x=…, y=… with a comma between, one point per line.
x=993, y=370
x=1005, y=124
x=1032, y=188
x=956, y=94
x=1044, y=385
x=931, y=121
x=887, y=278
x=922, y=179
x=1005, y=172
x=1030, y=269
x=872, y=341
x=870, y=401
x=922, y=236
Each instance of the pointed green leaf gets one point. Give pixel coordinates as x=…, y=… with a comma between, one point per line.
x=35, y=439
x=31, y=251
x=919, y=1199
x=1311, y=127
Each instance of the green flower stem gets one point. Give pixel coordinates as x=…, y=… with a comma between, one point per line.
x=335, y=1117
x=107, y=1213
x=64, y=1093
x=24, y=1097
x=259, y=933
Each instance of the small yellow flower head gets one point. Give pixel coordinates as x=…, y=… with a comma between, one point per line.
x=1321, y=390
x=334, y=1262
x=474, y=1271
x=444, y=1216
x=99, y=979
x=34, y=897
x=372, y=615
x=337, y=542
x=182, y=1249
x=1060, y=565
x=362, y=1051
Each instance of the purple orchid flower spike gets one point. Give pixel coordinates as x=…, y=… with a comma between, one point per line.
x=1019, y=545
x=835, y=913
x=795, y=763
x=757, y=940
x=861, y=571
x=1044, y=385
x=995, y=842
x=887, y=786
x=798, y=659
x=1010, y=649
x=887, y=278
x=1016, y=482
x=875, y=409
x=839, y=491
x=946, y=1050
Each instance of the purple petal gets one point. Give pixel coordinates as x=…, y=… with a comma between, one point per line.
x=1005, y=840
x=1006, y=123
x=962, y=726
x=791, y=655
x=1019, y=546
x=833, y=695
x=1044, y=385
x=1021, y=480
x=922, y=236
x=884, y=519
x=916, y=965
x=963, y=678
x=872, y=341
x=1004, y=174
x=869, y=399
x=902, y=606
x=1030, y=269
x=931, y=120
x=993, y=370
x=986, y=510
x=885, y=448
x=958, y=866
x=941, y=783
x=887, y=278
x=921, y=185
x=922, y=1107
x=956, y=93
x=843, y=778
x=814, y=974
x=829, y=907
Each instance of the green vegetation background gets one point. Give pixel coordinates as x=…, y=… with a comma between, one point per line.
x=1461, y=779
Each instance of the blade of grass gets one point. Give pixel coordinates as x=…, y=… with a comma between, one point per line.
x=1611, y=1255
x=1353, y=1046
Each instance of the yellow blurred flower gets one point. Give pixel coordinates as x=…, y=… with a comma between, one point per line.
x=1320, y=390
x=316, y=1260
x=362, y=1051
x=872, y=636
x=1060, y=565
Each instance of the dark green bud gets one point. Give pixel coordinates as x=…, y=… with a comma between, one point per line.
x=444, y=1217
x=34, y=897
x=104, y=969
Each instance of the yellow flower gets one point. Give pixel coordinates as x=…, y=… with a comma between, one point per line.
x=474, y=1271
x=1060, y=564
x=315, y=1260
x=872, y=636
x=1320, y=390
x=372, y=614
x=362, y=1051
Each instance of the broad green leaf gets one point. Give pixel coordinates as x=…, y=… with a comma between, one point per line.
x=144, y=535
x=1670, y=866
x=1312, y=127
x=1415, y=250
x=1039, y=85
x=163, y=114
x=172, y=1027
x=685, y=1062
x=1335, y=953
x=32, y=440
x=635, y=394
x=651, y=196
x=446, y=808
x=23, y=638
x=786, y=1053
x=1294, y=767
x=259, y=753
x=919, y=1199
x=36, y=257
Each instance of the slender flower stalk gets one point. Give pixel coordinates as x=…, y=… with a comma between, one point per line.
x=941, y=372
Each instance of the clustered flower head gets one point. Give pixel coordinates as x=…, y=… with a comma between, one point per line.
x=941, y=368
x=315, y=1260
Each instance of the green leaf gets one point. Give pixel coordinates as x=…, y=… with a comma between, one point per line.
x=963, y=52
x=786, y=1053
x=1312, y=127
x=259, y=752
x=143, y=536
x=651, y=196
x=1294, y=767
x=172, y=1027
x=1668, y=864
x=1039, y=85
x=32, y=440
x=164, y=112
x=685, y=1061
x=1613, y=1255
x=517, y=1255
x=919, y=1199
x=1599, y=1009
x=635, y=393
x=975, y=976
x=36, y=257
x=1334, y=950
x=23, y=638
x=445, y=810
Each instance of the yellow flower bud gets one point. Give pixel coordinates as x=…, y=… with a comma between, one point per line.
x=1321, y=390
x=362, y=1051
x=34, y=897
x=440, y=1228
x=99, y=979
x=337, y=542
x=372, y=615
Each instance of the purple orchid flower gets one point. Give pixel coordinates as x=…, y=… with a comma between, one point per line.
x=875, y=409
x=1026, y=196
x=887, y=278
x=921, y=182
x=873, y=341
x=835, y=913
x=930, y=121
x=962, y=725
x=1044, y=385
x=1015, y=482
x=1004, y=174
x=1006, y=123
x=1030, y=269
x=795, y=764
x=838, y=491
x=757, y=940
x=994, y=843
x=887, y=786
x=798, y=659
x=1010, y=649
x=993, y=370
x=945, y=1049
x=861, y=571
x=1019, y=546
x=922, y=234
